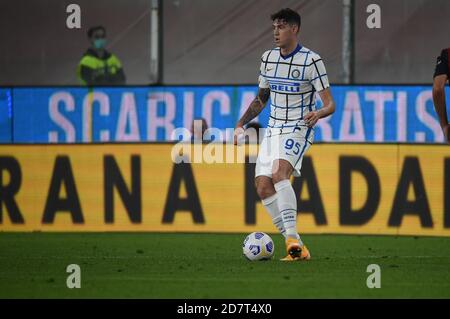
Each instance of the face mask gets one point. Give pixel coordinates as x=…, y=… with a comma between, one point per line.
x=99, y=43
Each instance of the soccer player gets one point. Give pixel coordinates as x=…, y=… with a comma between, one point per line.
x=441, y=76
x=290, y=74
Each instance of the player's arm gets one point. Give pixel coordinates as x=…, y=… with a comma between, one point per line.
x=439, y=82
x=328, y=108
x=319, y=79
x=255, y=107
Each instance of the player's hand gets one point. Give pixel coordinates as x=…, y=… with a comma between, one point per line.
x=311, y=118
x=239, y=129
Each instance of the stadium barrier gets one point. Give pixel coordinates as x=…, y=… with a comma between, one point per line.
x=396, y=189
x=142, y=114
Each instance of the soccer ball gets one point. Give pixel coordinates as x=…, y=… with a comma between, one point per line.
x=258, y=246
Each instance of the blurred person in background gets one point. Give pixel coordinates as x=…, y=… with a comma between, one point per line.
x=198, y=128
x=441, y=76
x=98, y=66
x=252, y=132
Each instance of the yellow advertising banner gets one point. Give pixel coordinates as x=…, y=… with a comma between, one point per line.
x=344, y=189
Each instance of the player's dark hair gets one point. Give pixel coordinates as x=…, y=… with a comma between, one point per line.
x=93, y=29
x=288, y=15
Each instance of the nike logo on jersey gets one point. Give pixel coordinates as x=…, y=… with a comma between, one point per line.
x=269, y=69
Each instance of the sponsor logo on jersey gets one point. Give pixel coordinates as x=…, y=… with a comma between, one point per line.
x=282, y=86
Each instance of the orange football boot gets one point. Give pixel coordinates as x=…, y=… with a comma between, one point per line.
x=295, y=251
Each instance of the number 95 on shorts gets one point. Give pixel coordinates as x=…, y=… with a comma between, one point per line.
x=290, y=147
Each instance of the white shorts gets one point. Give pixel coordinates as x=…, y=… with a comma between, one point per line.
x=289, y=146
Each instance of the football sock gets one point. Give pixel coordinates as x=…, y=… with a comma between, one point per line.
x=287, y=205
x=271, y=205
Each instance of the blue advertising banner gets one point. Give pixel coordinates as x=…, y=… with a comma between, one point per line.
x=68, y=115
x=5, y=115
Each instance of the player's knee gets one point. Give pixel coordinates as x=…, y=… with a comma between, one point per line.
x=264, y=190
x=281, y=170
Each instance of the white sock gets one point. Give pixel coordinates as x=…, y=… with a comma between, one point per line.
x=287, y=205
x=271, y=205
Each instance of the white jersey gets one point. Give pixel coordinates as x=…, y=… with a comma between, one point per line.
x=293, y=81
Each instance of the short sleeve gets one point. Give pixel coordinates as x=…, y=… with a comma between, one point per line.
x=442, y=64
x=262, y=80
x=318, y=74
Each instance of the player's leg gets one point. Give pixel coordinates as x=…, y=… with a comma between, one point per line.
x=291, y=149
x=268, y=195
x=264, y=185
x=287, y=204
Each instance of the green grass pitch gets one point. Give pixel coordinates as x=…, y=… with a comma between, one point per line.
x=157, y=265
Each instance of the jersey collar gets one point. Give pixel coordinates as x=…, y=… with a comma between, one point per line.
x=298, y=48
